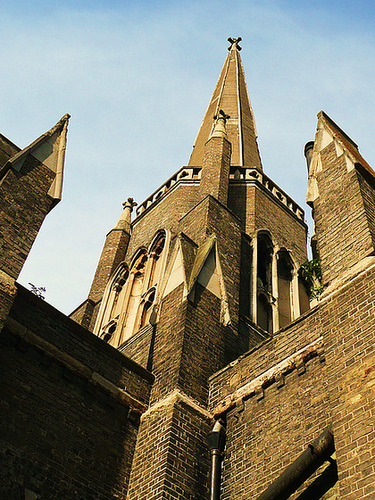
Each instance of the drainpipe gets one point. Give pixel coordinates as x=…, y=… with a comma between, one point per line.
x=216, y=443
x=302, y=468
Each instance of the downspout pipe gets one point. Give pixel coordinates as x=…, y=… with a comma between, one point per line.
x=302, y=468
x=216, y=442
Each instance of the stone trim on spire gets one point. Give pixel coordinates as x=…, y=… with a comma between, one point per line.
x=231, y=95
x=49, y=149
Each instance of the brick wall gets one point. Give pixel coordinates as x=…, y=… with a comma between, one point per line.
x=303, y=331
x=342, y=228
x=171, y=458
x=265, y=435
x=350, y=346
x=211, y=217
x=139, y=348
x=70, y=407
x=24, y=204
x=257, y=209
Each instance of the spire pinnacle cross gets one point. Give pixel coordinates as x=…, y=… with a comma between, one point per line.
x=221, y=116
x=234, y=43
x=129, y=203
x=219, y=126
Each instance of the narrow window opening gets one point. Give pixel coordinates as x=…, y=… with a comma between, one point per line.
x=284, y=282
x=264, y=283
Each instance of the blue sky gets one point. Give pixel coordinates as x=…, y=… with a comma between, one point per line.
x=137, y=77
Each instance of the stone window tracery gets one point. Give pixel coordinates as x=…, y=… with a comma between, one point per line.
x=130, y=296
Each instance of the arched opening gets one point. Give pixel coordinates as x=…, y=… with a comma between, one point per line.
x=284, y=285
x=147, y=309
x=264, y=282
x=134, y=294
x=246, y=276
x=108, y=331
x=264, y=313
x=155, y=260
x=130, y=296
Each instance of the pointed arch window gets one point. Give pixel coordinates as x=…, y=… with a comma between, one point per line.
x=153, y=276
x=284, y=287
x=265, y=300
x=128, y=302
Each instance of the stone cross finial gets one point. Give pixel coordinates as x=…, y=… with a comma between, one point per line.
x=234, y=42
x=125, y=218
x=129, y=203
x=219, y=127
x=221, y=116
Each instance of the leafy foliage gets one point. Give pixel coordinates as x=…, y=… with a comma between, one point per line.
x=39, y=291
x=311, y=273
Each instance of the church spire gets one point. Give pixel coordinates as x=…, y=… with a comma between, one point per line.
x=231, y=96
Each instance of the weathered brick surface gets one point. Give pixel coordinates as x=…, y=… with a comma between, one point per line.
x=211, y=217
x=303, y=331
x=190, y=344
x=342, y=228
x=60, y=438
x=139, y=347
x=24, y=204
x=259, y=210
x=65, y=436
x=171, y=457
x=349, y=325
x=289, y=417
x=264, y=436
x=64, y=333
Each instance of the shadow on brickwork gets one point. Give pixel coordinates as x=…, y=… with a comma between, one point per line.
x=63, y=436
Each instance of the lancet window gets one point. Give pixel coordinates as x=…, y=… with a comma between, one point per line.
x=285, y=273
x=264, y=299
x=129, y=298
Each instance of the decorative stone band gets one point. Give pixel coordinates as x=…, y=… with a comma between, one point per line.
x=237, y=175
x=75, y=367
x=176, y=396
x=274, y=375
x=185, y=174
x=246, y=175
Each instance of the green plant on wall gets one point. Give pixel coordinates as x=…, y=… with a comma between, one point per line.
x=311, y=273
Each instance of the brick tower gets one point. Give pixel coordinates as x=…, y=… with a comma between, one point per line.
x=209, y=270
x=197, y=324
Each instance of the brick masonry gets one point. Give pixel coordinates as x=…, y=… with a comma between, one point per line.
x=70, y=407
x=84, y=420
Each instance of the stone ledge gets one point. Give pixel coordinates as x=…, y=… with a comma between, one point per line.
x=275, y=374
x=178, y=396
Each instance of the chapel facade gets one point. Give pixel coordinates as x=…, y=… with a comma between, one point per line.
x=198, y=366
